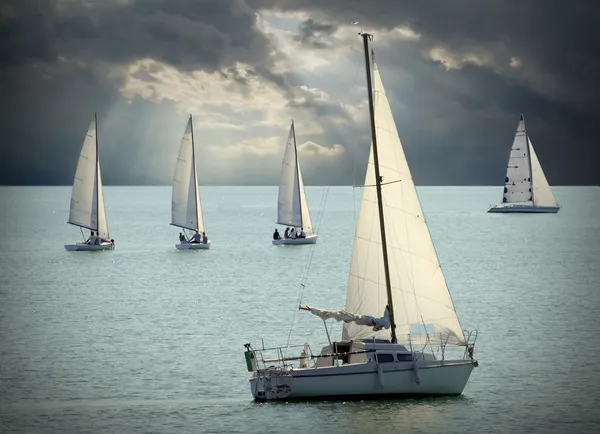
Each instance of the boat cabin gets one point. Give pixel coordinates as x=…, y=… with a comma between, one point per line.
x=367, y=350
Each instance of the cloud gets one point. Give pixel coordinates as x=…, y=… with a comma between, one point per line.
x=457, y=77
x=315, y=34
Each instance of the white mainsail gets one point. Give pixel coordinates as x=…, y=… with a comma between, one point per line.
x=87, y=201
x=421, y=300
x=292, y=207
x=186, y=208
x=517, y=184
x=542, y=194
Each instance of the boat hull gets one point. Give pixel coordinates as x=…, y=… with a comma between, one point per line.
x=82, y=247
x=311, y=239
x=363, y=381
x=193, y=246
x=524, y=209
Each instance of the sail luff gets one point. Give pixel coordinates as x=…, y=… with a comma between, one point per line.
x=386, y=266
x=102, y=222
x=198, y=203
x=528, y=160
x=297, y=172
x=97, y=171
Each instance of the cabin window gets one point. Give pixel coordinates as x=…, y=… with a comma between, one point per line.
x=404, y=357
x=385, y=358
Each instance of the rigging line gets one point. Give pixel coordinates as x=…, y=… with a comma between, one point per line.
x=307, y=270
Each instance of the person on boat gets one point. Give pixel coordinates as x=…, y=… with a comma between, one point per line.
x=204, y=238
x=293, y=234
x=196, y=238
x=93, y=239
x=286, y=234
x=182, y=238
x=302, y=234
x=276, y=235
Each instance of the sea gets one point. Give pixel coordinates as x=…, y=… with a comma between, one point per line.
x=148, y=339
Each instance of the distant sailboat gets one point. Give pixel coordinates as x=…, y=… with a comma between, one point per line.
x=526, y=189
x=417, y=346
x=186, y=207
x=87, y=201
x=292, y=207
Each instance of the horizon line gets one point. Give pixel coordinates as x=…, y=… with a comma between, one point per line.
x=276, y=185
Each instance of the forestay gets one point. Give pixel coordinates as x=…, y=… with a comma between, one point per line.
x=517, y=184
x=87, y=202
x=292, y=207
x=186, y=208
x=542, y=194
x=421, y=299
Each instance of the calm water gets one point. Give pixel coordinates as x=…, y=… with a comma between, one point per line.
x=148, y=339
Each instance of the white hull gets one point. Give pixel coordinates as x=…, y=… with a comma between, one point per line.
x=524, y=209
x=193, y=246
x=311, y=239
x=80, y=247
x=363, y=380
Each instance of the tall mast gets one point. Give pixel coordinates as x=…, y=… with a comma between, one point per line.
x=194, y=170
x=528, y=158
x=386, y=266
x=97, y=173
x=297, y=174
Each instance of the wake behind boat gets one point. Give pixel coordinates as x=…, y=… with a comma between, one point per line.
x=292, y=207
x=186, y=207
x=526, y=189
x=418, y=346
x=87, y=201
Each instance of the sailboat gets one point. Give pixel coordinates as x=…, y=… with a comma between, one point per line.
x=525, y=186
x=292, y=207
x=87, y=201
x=186, y=207
x=401, y=334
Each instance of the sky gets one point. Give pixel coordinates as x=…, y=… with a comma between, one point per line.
x=458, y=75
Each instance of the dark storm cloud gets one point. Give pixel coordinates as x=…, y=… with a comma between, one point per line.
x=54, y=72
x=456, y=125
x=314, y=34
x=555, y=85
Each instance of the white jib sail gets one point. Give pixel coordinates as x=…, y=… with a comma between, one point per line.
x=186, y=208
x=517, y=184
x=542, y=194
x=292, y=207
x=87, y=202
x=421, y=300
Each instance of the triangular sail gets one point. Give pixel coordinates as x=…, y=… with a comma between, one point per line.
x=292, y=207
x=186, y=208
x=517, y=184
x=102, y=223
x=87, y=202
x=542, y=194
x=421, y=299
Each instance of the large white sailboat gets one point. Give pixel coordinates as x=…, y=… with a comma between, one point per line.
x=526, y=189
x=87, y=201
x=186, y=207
x=292, y=207
x=417, y=347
